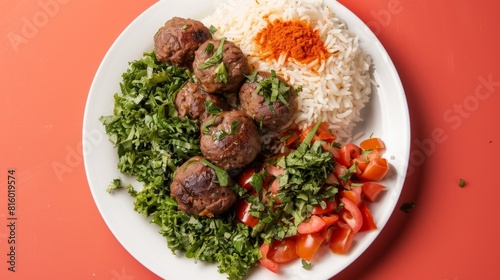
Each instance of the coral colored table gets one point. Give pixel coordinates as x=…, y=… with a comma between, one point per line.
x=447, y=54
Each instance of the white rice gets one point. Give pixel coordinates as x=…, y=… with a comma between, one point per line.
x=333, y=90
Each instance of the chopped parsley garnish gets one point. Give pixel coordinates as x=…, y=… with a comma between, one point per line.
x=222, y=174
x=212, y=108
x=273, y=89
x=216, y=57
x=219, y=135
x=221, y=73
x=234, y=127
x=212, y=29
x=209, y=48
x=205, y=128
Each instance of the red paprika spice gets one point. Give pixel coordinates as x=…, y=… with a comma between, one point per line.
x=296, y=39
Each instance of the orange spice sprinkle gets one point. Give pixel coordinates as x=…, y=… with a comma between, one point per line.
x=295, y=39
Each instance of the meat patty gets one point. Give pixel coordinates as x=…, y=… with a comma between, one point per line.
x=196, y=189
x=192, y=102
x=270, y=114
x=215, y=77
x=230, y=140
x=177, y=40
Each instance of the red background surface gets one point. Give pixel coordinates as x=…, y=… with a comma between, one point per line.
x=447, y=55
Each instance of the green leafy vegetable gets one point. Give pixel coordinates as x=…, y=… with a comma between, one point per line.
x=212, y=29
x=273, y=89
x=212, y=108
x=216, y=57
x=221, y=73
x=301, y=187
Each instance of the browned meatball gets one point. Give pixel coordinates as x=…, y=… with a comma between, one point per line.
x=230, y=140
x=177, y=40
x=271, y=114
x=196, y=189
x=191, y=101
x=223, y=75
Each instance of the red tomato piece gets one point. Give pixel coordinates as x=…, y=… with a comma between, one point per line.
x=372, y=190
x=308, y=244
x=341, y=172
x=331, y=205
x=351, y=214
x=347, y=153
x=283, y=251
x=324, y=133
x=243, y=214
x=354, y=195
x=311, y=225
x=275, y=170
x=264, y=261
x=368, y=222
x=376, y=170
x=372, y=144
x=341, y=239
x=292, y=135
x=330, y=219
x=245, y=178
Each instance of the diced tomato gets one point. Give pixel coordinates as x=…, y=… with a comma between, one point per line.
x=327, y=147
x=275, y=170
x=341, y=238
x=324, y=133
x=341, y=172
x=372, y=144
x=243, y=214
x=368, y=222
x=273, y=189
x=311, y=225
x=371, y=190
x=327, y=233
x=351, y=214
x=245, y=178
x=330, y=219
x=354, y=195
x=331, y=205
x=306, y=132
x=361, y=163
x=347, y=153
x=291, y=135
x=283, y=251
x=332, y=179
x=265, y=261
x=376, y=170
x=308, y=244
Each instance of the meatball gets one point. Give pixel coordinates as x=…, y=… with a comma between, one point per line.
x=270, y=114
x=225, y=71
x=177, y=40
x=230, y=140
x=196, y=189
x=191, y=101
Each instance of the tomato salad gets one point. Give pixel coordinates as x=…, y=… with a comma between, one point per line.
x=350, y=177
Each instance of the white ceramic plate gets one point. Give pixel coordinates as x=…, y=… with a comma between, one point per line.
x=386, y=116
